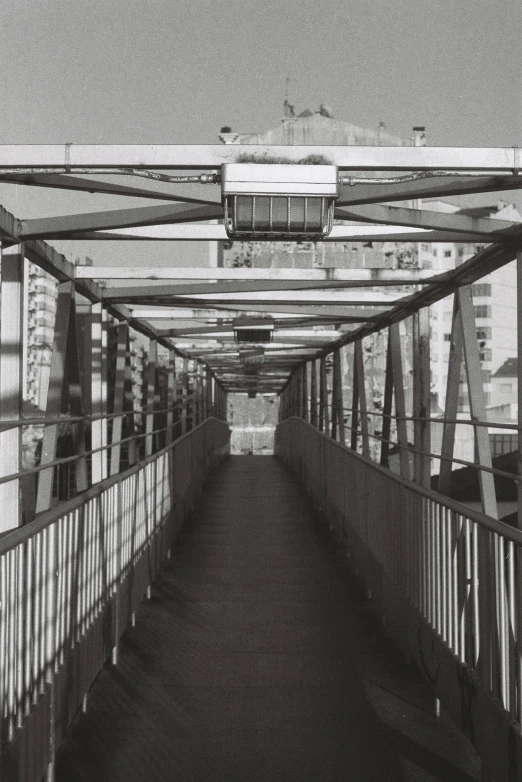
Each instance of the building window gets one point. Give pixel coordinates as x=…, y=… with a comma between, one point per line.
x=425, y=248
x=435, y=252
x=485, y=355
x=484, y=332
x=447, y=253
x=482, y=311
x=447, y=337
x=481, y=289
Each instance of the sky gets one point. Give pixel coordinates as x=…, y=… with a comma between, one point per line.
x=175, y=71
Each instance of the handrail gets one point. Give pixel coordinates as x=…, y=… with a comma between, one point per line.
x=15, y=537
x=72, y=578
x=494, y=525
x=446, y=577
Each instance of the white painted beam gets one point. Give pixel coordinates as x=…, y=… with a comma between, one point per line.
x=202, y=156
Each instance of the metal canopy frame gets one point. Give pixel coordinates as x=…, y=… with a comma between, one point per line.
x=371, y=178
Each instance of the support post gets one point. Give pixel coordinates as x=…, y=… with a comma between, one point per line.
x=11, y=381
x=337, y=399
x=361, y=386
x=313, y=393
x=99, y=390
x=400, y=404
x=119, y=395
x=171, y=398
x=324, y=417
x=150, y=389
x=387, y=408
x=421, y=396
x=451, y=402
x=518, y=618
x=477, y=402
x=185, y=391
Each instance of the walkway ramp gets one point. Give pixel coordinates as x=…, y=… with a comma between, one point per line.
x=242, y=667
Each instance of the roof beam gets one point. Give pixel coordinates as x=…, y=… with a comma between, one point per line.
x=428, y=187
x=485, y=228
x=67, y=157
x=329, y=311
x=68, y=182
x=64, y=225
x=194, y=232
x=163, y=293
x=352, y=277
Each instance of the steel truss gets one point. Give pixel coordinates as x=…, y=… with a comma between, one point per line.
x=317, y=312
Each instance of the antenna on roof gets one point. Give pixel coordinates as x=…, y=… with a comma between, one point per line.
x=288, y=108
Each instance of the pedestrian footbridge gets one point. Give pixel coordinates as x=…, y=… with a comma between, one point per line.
x=169, y=611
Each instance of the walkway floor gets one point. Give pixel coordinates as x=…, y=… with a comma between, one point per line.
x=256, y=661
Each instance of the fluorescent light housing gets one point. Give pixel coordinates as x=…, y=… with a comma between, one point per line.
x=254, y=330
x=269, y=201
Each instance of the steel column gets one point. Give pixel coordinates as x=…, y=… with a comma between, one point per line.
x=452, y=401
x=387, y=407
x=11, y=381
x=313, y=393
x=171, y=398
x=421, y=396
x=477, y=402
x=150, y=391
x=99, y=390
x=400, y=404
x=361, y=389
x=119, y=395
x=337, y=396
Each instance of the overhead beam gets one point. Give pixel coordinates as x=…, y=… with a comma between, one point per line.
x=240, y=287
x=195, y=232
x=428, y=187
x=352, y=277
x=65, y=157
x=485, y=228
x=64, y=225
x=253, y=299
x=297, y=309
x=68, y=182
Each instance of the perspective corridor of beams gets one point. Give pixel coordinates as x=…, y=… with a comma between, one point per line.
x=198, y=305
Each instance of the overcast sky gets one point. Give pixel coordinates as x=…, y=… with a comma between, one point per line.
x=175, y=71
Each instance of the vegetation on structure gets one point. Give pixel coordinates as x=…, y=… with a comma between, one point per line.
x=310, y=160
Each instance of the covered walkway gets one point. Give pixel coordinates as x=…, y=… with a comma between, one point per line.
x=259, y=651
x=256, y=659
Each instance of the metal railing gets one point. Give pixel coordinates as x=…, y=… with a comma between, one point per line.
x=72, y=579
x=447, y=578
